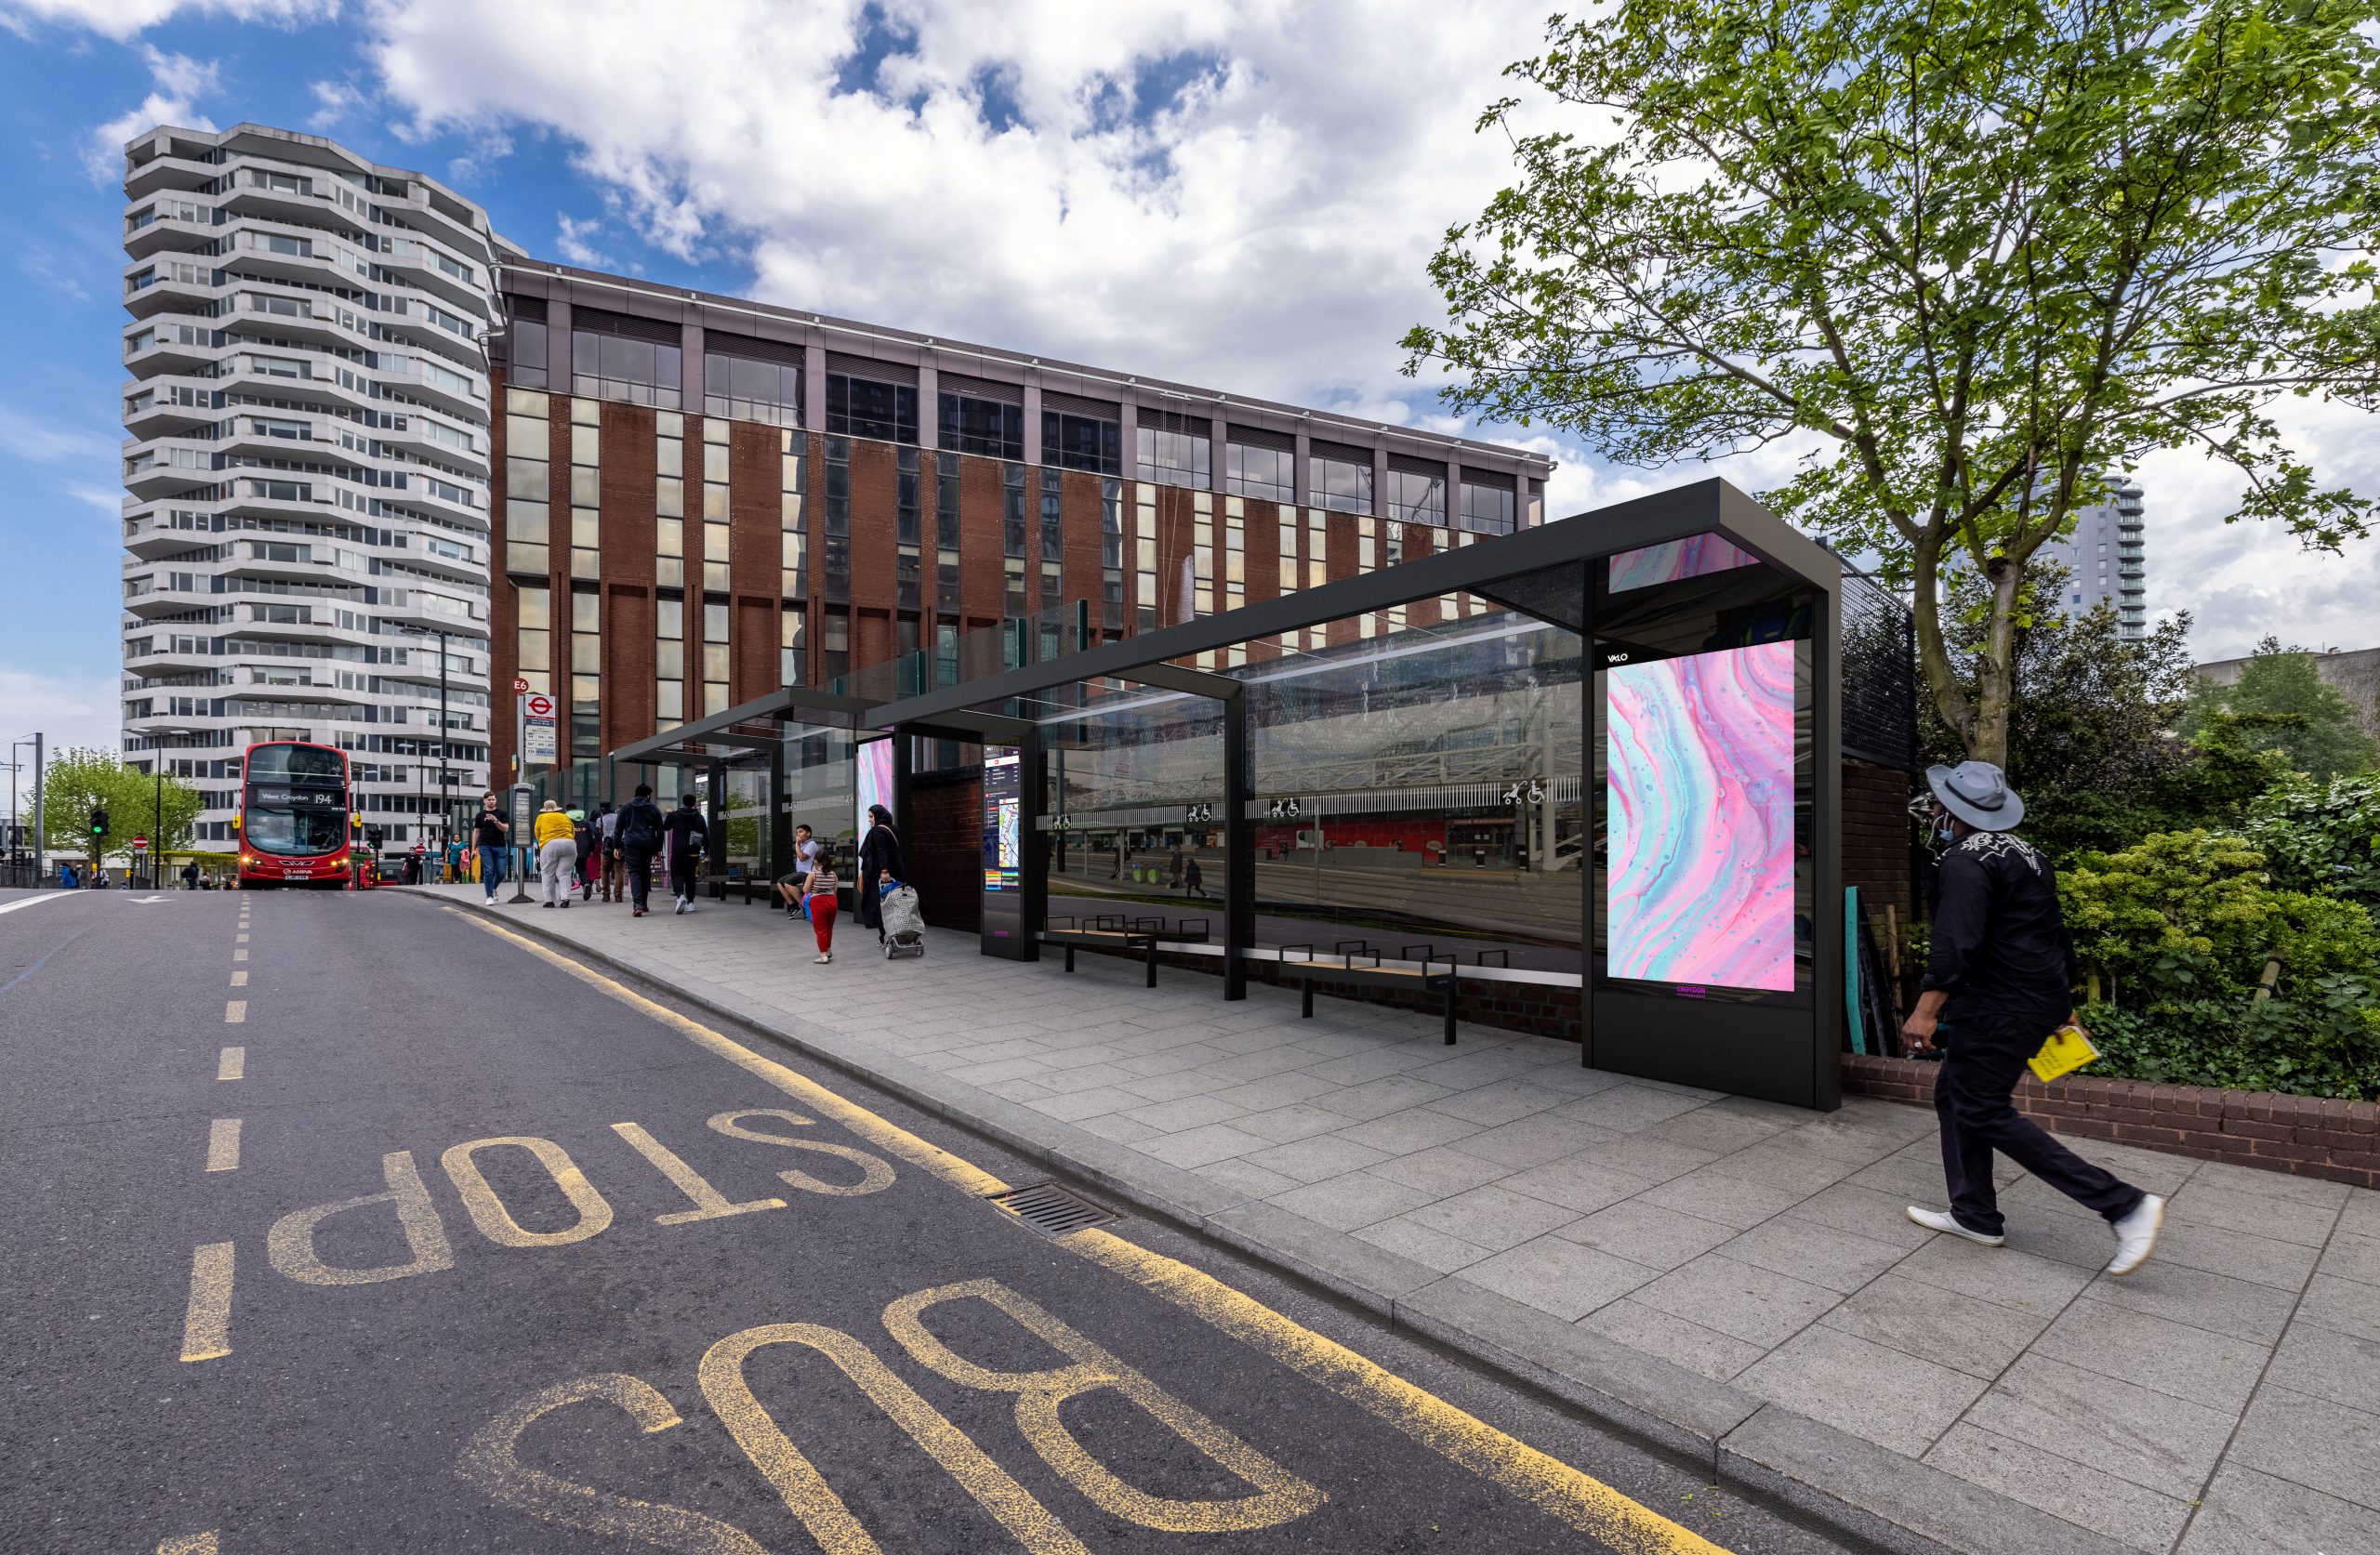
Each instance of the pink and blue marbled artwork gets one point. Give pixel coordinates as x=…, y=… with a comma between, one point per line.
x=1700, y=784
x=1674, y=559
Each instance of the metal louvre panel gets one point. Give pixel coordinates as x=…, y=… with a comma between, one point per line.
x=980, y=388
x=525, y=310
x=1413, y=464
x=1078, y=404
x=842, y=364
x=1261, y=436
x=1493, y=479
x=1346, y=453
x=1879, y=674
x=1166, y=420
x=784, y=353
x=594, y=321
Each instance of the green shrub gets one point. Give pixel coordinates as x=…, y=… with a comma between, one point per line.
x=2186, y=916
x=2323, y=1042
x=2322, y=836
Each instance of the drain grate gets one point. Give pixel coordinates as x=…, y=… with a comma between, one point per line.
x=1051, y=1209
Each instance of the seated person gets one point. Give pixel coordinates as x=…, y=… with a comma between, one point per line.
x=805, y=858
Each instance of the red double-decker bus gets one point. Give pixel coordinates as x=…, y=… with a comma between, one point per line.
x=294, y=822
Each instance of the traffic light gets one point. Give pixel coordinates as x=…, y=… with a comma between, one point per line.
x=98, y=821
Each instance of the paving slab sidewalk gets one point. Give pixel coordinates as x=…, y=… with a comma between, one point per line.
x=1730, y=1278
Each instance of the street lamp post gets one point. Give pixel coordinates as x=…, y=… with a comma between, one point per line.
x=445, y=777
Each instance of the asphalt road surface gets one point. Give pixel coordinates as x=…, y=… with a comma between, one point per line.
x=344, y=1223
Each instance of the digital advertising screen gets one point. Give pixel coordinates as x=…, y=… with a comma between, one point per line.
x=1675, y=560
x=874, y=782
x=1003, y=844
x=1698, y=788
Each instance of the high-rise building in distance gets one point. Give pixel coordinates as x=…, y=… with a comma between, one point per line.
x=306, y=467
x=2105, y=557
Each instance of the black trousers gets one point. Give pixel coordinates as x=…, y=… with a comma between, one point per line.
x=685, y=875
x=1980, y=1067
x=640, y=864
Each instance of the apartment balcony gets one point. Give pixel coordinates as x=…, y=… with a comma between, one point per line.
x=167, y=468
x=460, y=395
x=173, y=345
x=160, y=175
x=187, y=231
x=414, y=437
x=168, y=285
x=454, y=283
x=165, y=407
x=417, y=499
x=406, y=321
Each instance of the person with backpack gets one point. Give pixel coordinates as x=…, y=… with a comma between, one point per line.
x=607, y=850
x=582, y=832
x=641, y=831
x=879, y=865
x=689, y=833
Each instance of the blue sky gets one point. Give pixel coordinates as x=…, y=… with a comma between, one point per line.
x=1233, y=193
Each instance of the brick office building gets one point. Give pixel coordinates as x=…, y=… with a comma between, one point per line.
x=705, y=498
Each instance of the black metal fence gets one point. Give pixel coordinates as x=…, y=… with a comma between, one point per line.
x=1879, y=674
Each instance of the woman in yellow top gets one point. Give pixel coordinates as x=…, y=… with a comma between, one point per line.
x=556, y=853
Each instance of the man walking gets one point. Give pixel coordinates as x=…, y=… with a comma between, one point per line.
x=488, y=834
x=689, y=834
x=607, y=841
x=640, y=831
x=2003, y=961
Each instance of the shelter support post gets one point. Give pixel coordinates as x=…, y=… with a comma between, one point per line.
x=1240, y=847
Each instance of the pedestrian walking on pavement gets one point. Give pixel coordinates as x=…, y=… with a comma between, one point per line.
x=1194, y=879
x=818, y=899
x=879, y=865
x=582, y=872
x=488, y=835
x=189, y=876
x=641, y=832
x=689, y=834
x=2003, y=963
x=556, y=853
x=607, y=850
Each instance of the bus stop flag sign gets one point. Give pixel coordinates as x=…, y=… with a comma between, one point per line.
x=537, y=741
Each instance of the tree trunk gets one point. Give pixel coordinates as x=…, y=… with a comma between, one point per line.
x=1932, y=655
x=1995, y=670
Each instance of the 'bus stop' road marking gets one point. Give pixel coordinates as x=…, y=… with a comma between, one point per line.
x=1570, y=1495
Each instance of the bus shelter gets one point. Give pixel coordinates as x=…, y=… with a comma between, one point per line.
x=1593, y=762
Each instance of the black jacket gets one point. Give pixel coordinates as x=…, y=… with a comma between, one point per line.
x=689, y=833
x=879, y=851
x=636, y=812
x=2001, y=949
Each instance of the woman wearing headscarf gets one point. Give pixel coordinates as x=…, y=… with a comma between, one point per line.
x=879, y=865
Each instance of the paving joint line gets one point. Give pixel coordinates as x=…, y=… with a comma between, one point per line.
x=1835, y=1510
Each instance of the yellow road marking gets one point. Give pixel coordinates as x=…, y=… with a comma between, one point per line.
x=239, y=955
x=231, y=1064
x=240, y=979
x=207, y=1325
x=495, y=1222
x=189, y=1543
x=1573, y=1497
x=886, y=1135
x=710, y=1203
x=240, y=940
x=223, y=1145
x=235, y=1011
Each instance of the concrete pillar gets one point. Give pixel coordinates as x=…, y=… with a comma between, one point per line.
x=1218, y=452
x=558, y=347
x=929, y=406
x=691, y=385
x=1032, y=418
x=1380, y=490
x=814, y=384
x=1454, y=494
x=1301, y=477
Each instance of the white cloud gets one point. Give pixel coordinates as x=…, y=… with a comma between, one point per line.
x=336, y=102
x=570, y=242
x=126, y=19
x=67, y=710
x=45, y=442
x=180, y=81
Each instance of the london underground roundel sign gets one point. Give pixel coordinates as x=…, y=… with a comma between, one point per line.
x=541, y=707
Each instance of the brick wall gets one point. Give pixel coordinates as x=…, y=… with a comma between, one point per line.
x=1875, y=837
x=945, y=837
x=2304, y=1135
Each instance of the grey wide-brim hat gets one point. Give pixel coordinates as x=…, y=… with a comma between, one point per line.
x=1977, y=793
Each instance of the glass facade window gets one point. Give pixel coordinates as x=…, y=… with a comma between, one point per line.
x=1145, y=555
x=615, y=367
x=528, y=487
x=1175, y=458
x=1053, y=551
x=839, y=517
x=1202, y=550
x=1487, y=509
x=1071, y=441
x=528, y=353
x=945, y=533
x=535, y=638
x=793, y=537
x=669, y=662
x=586, y=674
x=716, y=534
x=1267, y=474
x=1341, y=485
x=1111, y=556
x=908, y=528
x=715, y=659
x=1013, y=539
x=865, y=408
x=1417, y=498
x=586, y=490
x=992, y=428
x=748, y=391
x=793, y=644
x=836, y=649
x=1318, y=550
x=669, y=500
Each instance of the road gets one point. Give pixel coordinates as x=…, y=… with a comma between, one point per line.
x=351, y=1223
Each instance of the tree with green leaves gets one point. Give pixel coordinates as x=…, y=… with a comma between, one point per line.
x=1968, y=259
x=82, y=780
x=2297, y=713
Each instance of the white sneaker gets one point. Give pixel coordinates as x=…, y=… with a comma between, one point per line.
x=1943, y=1220
x=679, y=909
x=825, y=956
x=2137, y=1236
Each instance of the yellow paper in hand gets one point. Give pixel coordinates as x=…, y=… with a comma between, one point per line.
x=2067, y=1050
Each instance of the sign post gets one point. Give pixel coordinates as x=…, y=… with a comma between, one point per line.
x=524, y=823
